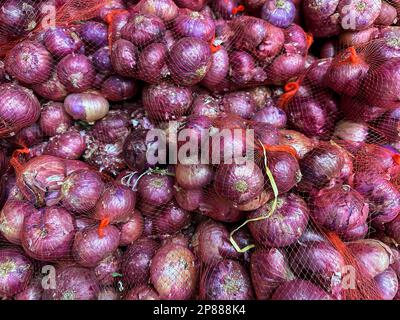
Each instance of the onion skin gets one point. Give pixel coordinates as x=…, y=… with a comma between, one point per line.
x=48, y=233
x=300, y=290
x=114, y=126
x=171, y=219
x=166, y=101
x=18, y=17
x=194, y=24
x=356, y=233
x=29, y=136
x=89, y=248
x=135, y=147
x=279, y=13
x=195, y=5
x=226, y=280
x=142, y=292
x=94, y=34
x=188, y=199
x=108, y=293
x=218, y=70
x=152, y=63
x=68, y=145
x=51, y=89
x=33, y=291
x=193, y=176
x=285, y=170
x=53, y=119
x=189, y=61
x=107, y=267
x=136, y=261
x=362, y=19
x=351, y=131
x=61, y=41
x=156, y=189
x=286, y=224
x=29, y=62
x=81, y=191
x=124, y=58
x=17, y=271
x=387, y=284
x=239, y=183
x=173, y=272
x=73, y=283
x=390, y=124
x=76, y=72
x=271, y=115
x=101, y=60
x=164, y=9
x=117, y=88
x=205, y=105
x=12, y=219
x=392, y=229
x=217, y=208
x=269, y=268
x=86, y=106
x=285, y=67
x=387, y=16
x=143, y=29
x=22, y=112
x=116, y=204
x=240, y=103
x=132, y=229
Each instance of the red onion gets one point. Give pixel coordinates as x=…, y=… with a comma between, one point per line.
x=224, y=8
x=18, y=17
x=356, y=233
x=29, y=62
x=164, y=9
x=166, y=101
x=240, y=103
x=12, y=218
x=90, y=248
x=107, y=268
x=387, y=15
x=152, y=62
x=61, y=41
x=359, y=38
x=40, y=179
x=389, y=124
x=329, y=49
x=189, y=60
x=317, y=72
x=101, y=60
x=300, y=290
x=226, y=280
x=173, y=272
x=295, y=40
x=243, y=67
x=109, y=6
x=239, y=183
x=194, y=24
x=81, y=190
x=51, y=89
x=132, y=229
x=280, y=13
x=114, y=126
x=193, y=176
x=195, y=5
x=171, y=219
x=93, y=33
x=19, y=108
x=29, y=136
x=33, y=291
x=269, y=268
x=361, y=18
x=16, y=271
x=124, y=58
x=218, y=70
x=143, y=29
x=205, y=105
x=72, y=166
x=48, y=233
x=351, y=131
x=392, y=229
x=142, y=292
x=53, y=119
x=86, y=106
x=108, y=293
x=117, y=88
x=286, y=224
x=387, y=284
x=285, y=169
x=136, y=261
x=68, y=145
x=218, y=208
x=285, y=67
x=116, y=204
x=188, y=199
x=73, y=283
x=83, y=222
x=271, y=115
x=76, y=72
x=156, y=189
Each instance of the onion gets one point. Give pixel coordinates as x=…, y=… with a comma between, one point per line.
x=94, y=34
x=89, y=248
x=16, y=271
x=218, y=70
x=164, y=9
x=286, y=224
x=193, y=176
x=124, y=58
x=194, y=24
x=171, y=219
x=243, y=67
x=389, y=124
x=188, y=199
x=374, y=158
x=48, y=233
x=364, y=13
x=189, y=60
x=143, y=29
x=40, y=179
x=101, y=60
x=152, y=63
x=285, y=67
x=33, y=291
x=68, y=145
x=300, y=290
x=51, y=89
x=83, y=222
x=359, y=38
x=136, y=261
x=166, y=101
x=116, y=88
x=240, y=103
x=107, y=268
x=239, y=183
x=18, y=17
x=12, y=218
x=195, y=5
x=108, y=293
x=73, y=283
x=219, y=209
x=72, y=166
x=269, y=268
x=29, y=62
x=53, y=119
x=81, y=190
x=109, y=6
x=116, y=204
x=132, y=229
x=387, y=284
x=387, y=16
x=317, y=72
x=156, y=189
x=223, y=8
x=392, y=229
x=205, y=105
x=351, y=131
x=373, y=256
x=329, y=49
x=86, y=106
x=19, y=108
x=356, y=233
x=114, y=126
x=271, y=115
x=280, y=13
x=173, y=272
x=76, y=72
x=295, y=40
x=29, y=136
x=226, y=280
x=142, y=292
x=61, y=41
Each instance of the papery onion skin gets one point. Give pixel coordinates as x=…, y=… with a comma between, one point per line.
x=94, y=34
x=300, y=290
x=116, y=204
x=188, y=199
x=279, y=13
x=143, y=29
x=351, y=131
x=101, y=60
x=12, y=219
x=392, y=229
x=219, y=209
x=48, y=234
x=53, y=119
x=19, y=17
x=124, y=58
x=152, y=63
x=29, y=136
x=193, y=176
x=194, y=24
x=195, y=5
x=189, y=61
x=171, y=219
x=51, y=89
x=240, y=103
x=29, y=62
x=356, y=233
x=285, y=170
x=226, y=280
x=205, y=105
x=218, y=70
x=142, y=292
x=114, y=126
x=286, y=224
x=116, y=88
x=68, y=145
x=22, y=112
x=107, y=267
x=272, y=115
x=387, y=16
x=61, y=41
x=136, y=261
x=73, y=283
x=387, y=284
x=33, y=291
x=17, y=271
x=156, y=189
x=173, y=272
x=269, y=268
x=89, y=248
x=132, y=229
x=86, y=106
x=164, y=9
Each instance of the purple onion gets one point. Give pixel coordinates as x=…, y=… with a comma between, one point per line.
x=52, y=89
x=61, y=41
x=171, y=219
x=53, y=119
x=68, y=145
x=271, y=115
x=205, y=105
x=18, y=18
x=101, y=60
x=156, y=189
x=93, y=33
x=117, y=88
x=218, y=70
x=300, y=290
x=152, y=63
x=132, y=229
x=124, y=58
x=86, y=106
x=240, y=103
x=107, y=268
x=280, y=13
x=114, y=126
x=194, y=24
x=387, y=284
x=195, y=5
x=29, y=136
x=164, y=9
